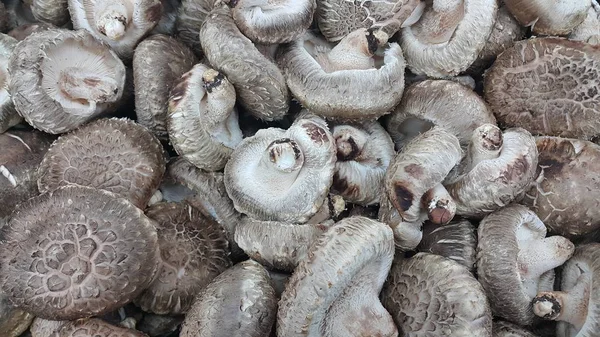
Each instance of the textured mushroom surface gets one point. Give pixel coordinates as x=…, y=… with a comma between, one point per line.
x=61, y=79
x=190, y=18
x=239, y=302
x=97, y=328
x=13, y=321
x=334, y=291
x=55, y=12
x=589, y=30
x=456, y=241
x=8, y=115
x=45, y=328
x=407, y=235
x=159, y=325
x=554, y=17
x=193, y=251
x=76, y=252
x=23, y=31
x=430, y=295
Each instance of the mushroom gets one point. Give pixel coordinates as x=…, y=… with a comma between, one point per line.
x=159, y=325
x=202, y=119
x=45, y=328
x=167, y=23
x=259, y=84
x=55, y=12
x=334, y=291
x=23, y=31
x=456, y=240
x=13, y=321
x=116, y=155
x=76, y=252
x=544, y=86
x=158, y=62
x=515, y=261
x=193, y=251
x=8, y=115
x=498, y=168
x=19, y=13
x=430, y=295
x=97, y=328
x=407, y=235
x=447, y=104
x=575, y=305
x=273, y=21
x=507, y=329
x=448, y=36
x=190, y=17
x=364, y=152
x=61, y=79
x=119, y=23
x=589, y=30
x=549, y=17
x=343, y=83
x=241, y=301
x=282, y=175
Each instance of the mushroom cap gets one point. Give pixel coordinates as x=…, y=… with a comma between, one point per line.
x=589, y=30
x=457, y=241
x=444, y=103
x=158, y=61
x=76, y=252
x=335, y=289
x=549, y=17
x=259, y=84
x=39, y=69
x=55, y=12
x=23, y=31
x=343, y=95
x=97, y=328
x=544, y=86
x=45, y=328
x=193, y=251
x=241, y=301
x=430, y=295
x=407, y=235
x=8, y=115
x=507, y=329
x=190, y=17
x=13, y=321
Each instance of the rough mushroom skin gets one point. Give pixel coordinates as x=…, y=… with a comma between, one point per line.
x=45, y=328
x=97, y=328
x=444, y=103
x=76, y=252
x=121, y=24
x=507, y=329
x=55, y=12
x=13, y=321
x=456, y=240
x=190, y=18
x=8, y=115
x=364, y=152
x=23, y=31
x=282, y=175
x=549, y=17
x=407, y=235
x=430, y=295
x=239, y=302
x=202, y=119
x=117, y=155
x=158, y=62
x=342, y=83
x=334, y=291
x=544, y=86
x=259, y=84
x=448, y=37
x=589, y=30
x=193, y=251
x=515, y=261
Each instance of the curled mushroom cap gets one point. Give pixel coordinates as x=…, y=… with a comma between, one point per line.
x=430, y=295
x=334, y=291
x=448, y=36
x=241, y=301
x=343, y=82
x=589, y=30
x=13, y=321
x=507, y=329
x=116, y=155
x=544, y=86
x=97, y=328
x=76, y=252
x=549, y=17
x=259, y=84
x=282, y=175
x=456, y=240
x=190, y=17
x=61, y=79
x=447, y=104
x=193, y=251
x=515, y=261
x=407, y=235
x=55, y=12
x=8, y=115
x=202, y=119
x=119, y=23
x=158, y=62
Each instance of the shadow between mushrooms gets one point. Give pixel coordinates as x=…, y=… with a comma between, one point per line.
x=8, y=115
x=190, y=17
x=507, y=329
x=13, y=321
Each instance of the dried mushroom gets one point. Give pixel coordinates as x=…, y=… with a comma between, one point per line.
x=97, y=328
x=23, y=31
x=45, y=328
x=589, y=30
x=4, y=17
x=159, y=325
x=55, y=12
x=190, y=18
x=456, y=240
x=407, y=235
x=13, y=321
x=507, y=329
x=549, y=17
x=8, y=115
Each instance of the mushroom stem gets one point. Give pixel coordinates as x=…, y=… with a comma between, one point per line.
x=220, y=98
x=284, y=155
x=112, y=22
x=349, y=141
x=567, y=306
x=440, y=206
x=355, y=51
x=486, y=143
x=439, y=21
x=77, y=84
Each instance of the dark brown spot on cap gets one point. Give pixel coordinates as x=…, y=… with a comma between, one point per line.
x=515, y=170
x=233, y=3
x=341, y=186
x=179, y=90
x=372, y=41
x=555, y=305
x=403, y=198
x=154, y=13
x=347, y=149
x=315, y=132
x=554, y=154
x=492, y=140
x=216, y=81
x=414, y=170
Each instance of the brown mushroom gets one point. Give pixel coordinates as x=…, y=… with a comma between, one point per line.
x=507, y=329
x=13, y=321
x=97, y=328
x=8, y=115
x=456, y=240
x=45, y=328
x=549, y=17
x=190, y=17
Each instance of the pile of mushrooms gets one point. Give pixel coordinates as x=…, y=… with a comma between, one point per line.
x=299, y=168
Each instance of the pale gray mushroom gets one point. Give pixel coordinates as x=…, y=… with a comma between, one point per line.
x=8, y=115
x=55, y=12
x=202, y=118
x=45, y=328
x=239, y=302
x=13, y=321
x=344, y=83
x=334, y=291
x=507, y=329
x=61, y=79
x=97, y=328
x=589, y=30
x=23, y=31
x=456, y=240
x=549, y=17
x=259, y=84
x=190, y=18
x=407, y=235
x=515, y=261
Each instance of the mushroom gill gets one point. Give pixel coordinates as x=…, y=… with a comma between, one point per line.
x=8, y=115
x=456, y=240
x=334, y=291
x=97, y=328
x=549, y=17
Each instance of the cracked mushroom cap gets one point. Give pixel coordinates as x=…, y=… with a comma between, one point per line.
x=259, y=84
x=190, y=17
x=334, y=291
x=515, y=261
x=239, y=302
x=549, y=17
x=444, y=103
x=158, y=62
x=8, y=115
x=55, y=12
x=547, y=86
x=13, y=321
x=76, y=252
x=364, y=152
x=589, y=30
x=456, y=240
x=119, y=23
x=343, y=83
x=97, y=328
x=449, y=36
x=282, y=175
x=430, y=295
x=193, y=251
x=202, y=118
x=507, y=329
x=61, y=79
x=116, y=155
